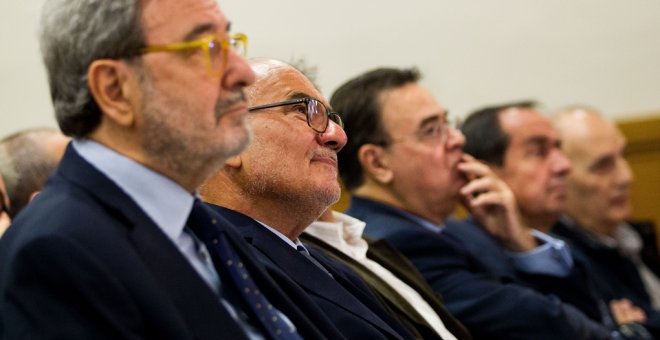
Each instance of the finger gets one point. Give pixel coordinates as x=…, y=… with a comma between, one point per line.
x=626, y=303
x=488, y=199
x=479, y=186
x=474, y=169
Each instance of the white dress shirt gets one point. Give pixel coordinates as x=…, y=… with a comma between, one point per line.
x=345, y=234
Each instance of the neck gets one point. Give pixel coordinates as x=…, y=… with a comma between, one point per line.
x=541, y=223
x=386, y=196
x=594, y=225
x=286, y=216
x=189, y=174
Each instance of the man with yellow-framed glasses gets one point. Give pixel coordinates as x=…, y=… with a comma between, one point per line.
x=115, y=246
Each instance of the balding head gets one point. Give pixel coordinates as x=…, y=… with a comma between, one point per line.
x=26, y=160
x=266, y=73
x=288, y=176
x=600, y=180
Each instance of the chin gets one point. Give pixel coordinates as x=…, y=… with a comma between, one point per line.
x=619, y=214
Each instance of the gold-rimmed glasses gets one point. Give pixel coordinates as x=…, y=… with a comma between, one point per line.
x=215, y=50
x=317, y=114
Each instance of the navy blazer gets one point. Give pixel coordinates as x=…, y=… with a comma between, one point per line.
x=615, y=276
x=83, y=261
x=484, y=293
x=344, y=299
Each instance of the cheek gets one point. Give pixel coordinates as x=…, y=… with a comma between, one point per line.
x=587, y=195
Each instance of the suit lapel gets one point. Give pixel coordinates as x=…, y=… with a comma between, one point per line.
x=196, y=303
x=302, y=271
x=382, y=252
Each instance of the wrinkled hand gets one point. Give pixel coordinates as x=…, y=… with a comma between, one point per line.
x=625, y=312
x=492, y=204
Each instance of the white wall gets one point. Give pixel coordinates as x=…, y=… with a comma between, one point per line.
x=605, y=53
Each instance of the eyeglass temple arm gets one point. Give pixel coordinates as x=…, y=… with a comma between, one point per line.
x=268, y=106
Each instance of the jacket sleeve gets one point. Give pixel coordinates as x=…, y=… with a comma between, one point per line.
x=488, y=307
x=56, y=289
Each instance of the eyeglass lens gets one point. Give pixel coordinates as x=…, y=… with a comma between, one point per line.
x=218, y=52
x=317, y=116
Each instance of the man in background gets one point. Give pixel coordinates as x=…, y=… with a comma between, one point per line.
x=406, y=172
x=27, y=158
x=597, y=208
x=523, y=148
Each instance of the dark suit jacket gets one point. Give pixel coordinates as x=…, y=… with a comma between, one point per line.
x=490, y=304
x=345, y=300
x=650, y=254
x=615, y=276
x=83, y=261
x=384, y=254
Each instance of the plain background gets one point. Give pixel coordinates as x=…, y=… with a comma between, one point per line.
x=603, y=53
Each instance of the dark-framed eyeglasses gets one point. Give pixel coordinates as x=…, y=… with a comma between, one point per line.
x=318, y=116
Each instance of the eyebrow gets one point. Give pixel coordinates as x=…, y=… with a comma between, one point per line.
x=540, y=140
x=298, y=95
x=432, y=119
x=203, y=28
x=199, y=30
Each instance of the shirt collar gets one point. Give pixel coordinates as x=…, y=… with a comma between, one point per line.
x=293, y=244
x=424, y=222
x=163, y=200
x=343, y=233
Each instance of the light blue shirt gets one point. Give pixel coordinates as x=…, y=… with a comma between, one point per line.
x=293, y=244
x=163, y=200
x=551, y=257
x=167, y=204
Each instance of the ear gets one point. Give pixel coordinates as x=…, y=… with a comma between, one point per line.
x=375, y=162
x=112, y=84
x=234, y=162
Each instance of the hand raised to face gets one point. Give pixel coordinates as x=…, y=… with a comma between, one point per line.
x=493, y=205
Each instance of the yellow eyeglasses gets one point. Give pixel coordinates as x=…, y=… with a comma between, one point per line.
x=215, y=50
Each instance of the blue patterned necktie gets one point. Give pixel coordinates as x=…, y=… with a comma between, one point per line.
x=227, y=260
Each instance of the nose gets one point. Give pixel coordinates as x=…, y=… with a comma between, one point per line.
x=333, y=138
x=455, y=139
x=624, y=172
x=237, y=73
x=561, y=165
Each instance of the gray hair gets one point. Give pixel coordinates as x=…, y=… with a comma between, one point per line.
x=25, y=164
x=73, y=34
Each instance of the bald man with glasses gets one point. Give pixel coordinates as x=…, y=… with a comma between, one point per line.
x=280, y=184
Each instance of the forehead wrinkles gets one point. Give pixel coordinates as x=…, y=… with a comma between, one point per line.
x=160, y=16
x=279, y=84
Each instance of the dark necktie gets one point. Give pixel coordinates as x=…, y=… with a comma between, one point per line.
x=301, y=249
x=226, y=260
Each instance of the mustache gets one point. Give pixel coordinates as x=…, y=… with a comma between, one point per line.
x=326, y=153
x=234, y=98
